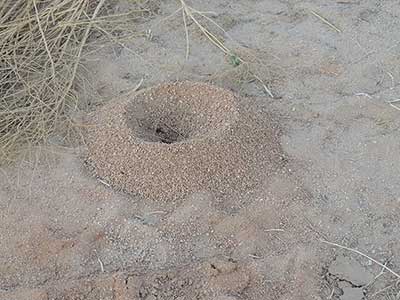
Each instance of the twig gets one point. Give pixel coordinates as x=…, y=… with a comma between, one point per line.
x=364, y=94
x=186, y=34
x=394, y=106
x=135, y=89
x=332, y=293
x=255, y=256
x=392, y=79
x=157, y=212
x=364, y=255
x=274, y=230
x=267, y=90
x=326, y=21
x=103, y=182
x=101, y=264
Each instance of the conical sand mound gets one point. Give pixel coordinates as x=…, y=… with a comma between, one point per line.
x=174, y=139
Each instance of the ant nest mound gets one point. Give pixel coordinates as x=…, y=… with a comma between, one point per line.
x=174, y=139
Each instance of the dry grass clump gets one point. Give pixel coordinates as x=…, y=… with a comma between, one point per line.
x=41, y=47
x=41, y=43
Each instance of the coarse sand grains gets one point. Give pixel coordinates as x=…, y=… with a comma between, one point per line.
x=177, y=138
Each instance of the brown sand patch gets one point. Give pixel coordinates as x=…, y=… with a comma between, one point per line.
x=174, y=139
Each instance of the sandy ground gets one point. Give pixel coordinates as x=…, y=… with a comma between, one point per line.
x=65, y=235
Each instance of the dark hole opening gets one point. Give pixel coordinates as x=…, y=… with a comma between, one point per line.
x=168, y=135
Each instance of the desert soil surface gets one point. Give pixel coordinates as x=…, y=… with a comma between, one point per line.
x=332, y=67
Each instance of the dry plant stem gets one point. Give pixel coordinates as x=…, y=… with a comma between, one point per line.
x=189, y=11
x=187, y=34
x=331, y=294
x=267, y=90
x=391, y=103
x=274, y=230
x=214, y=39
x=44, y=39
x=363, y=255
x=101, y=264
x=83, y=42
x=326, y=21
x=137, y=87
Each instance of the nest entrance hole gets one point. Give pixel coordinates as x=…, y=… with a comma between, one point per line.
x=163, y=133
